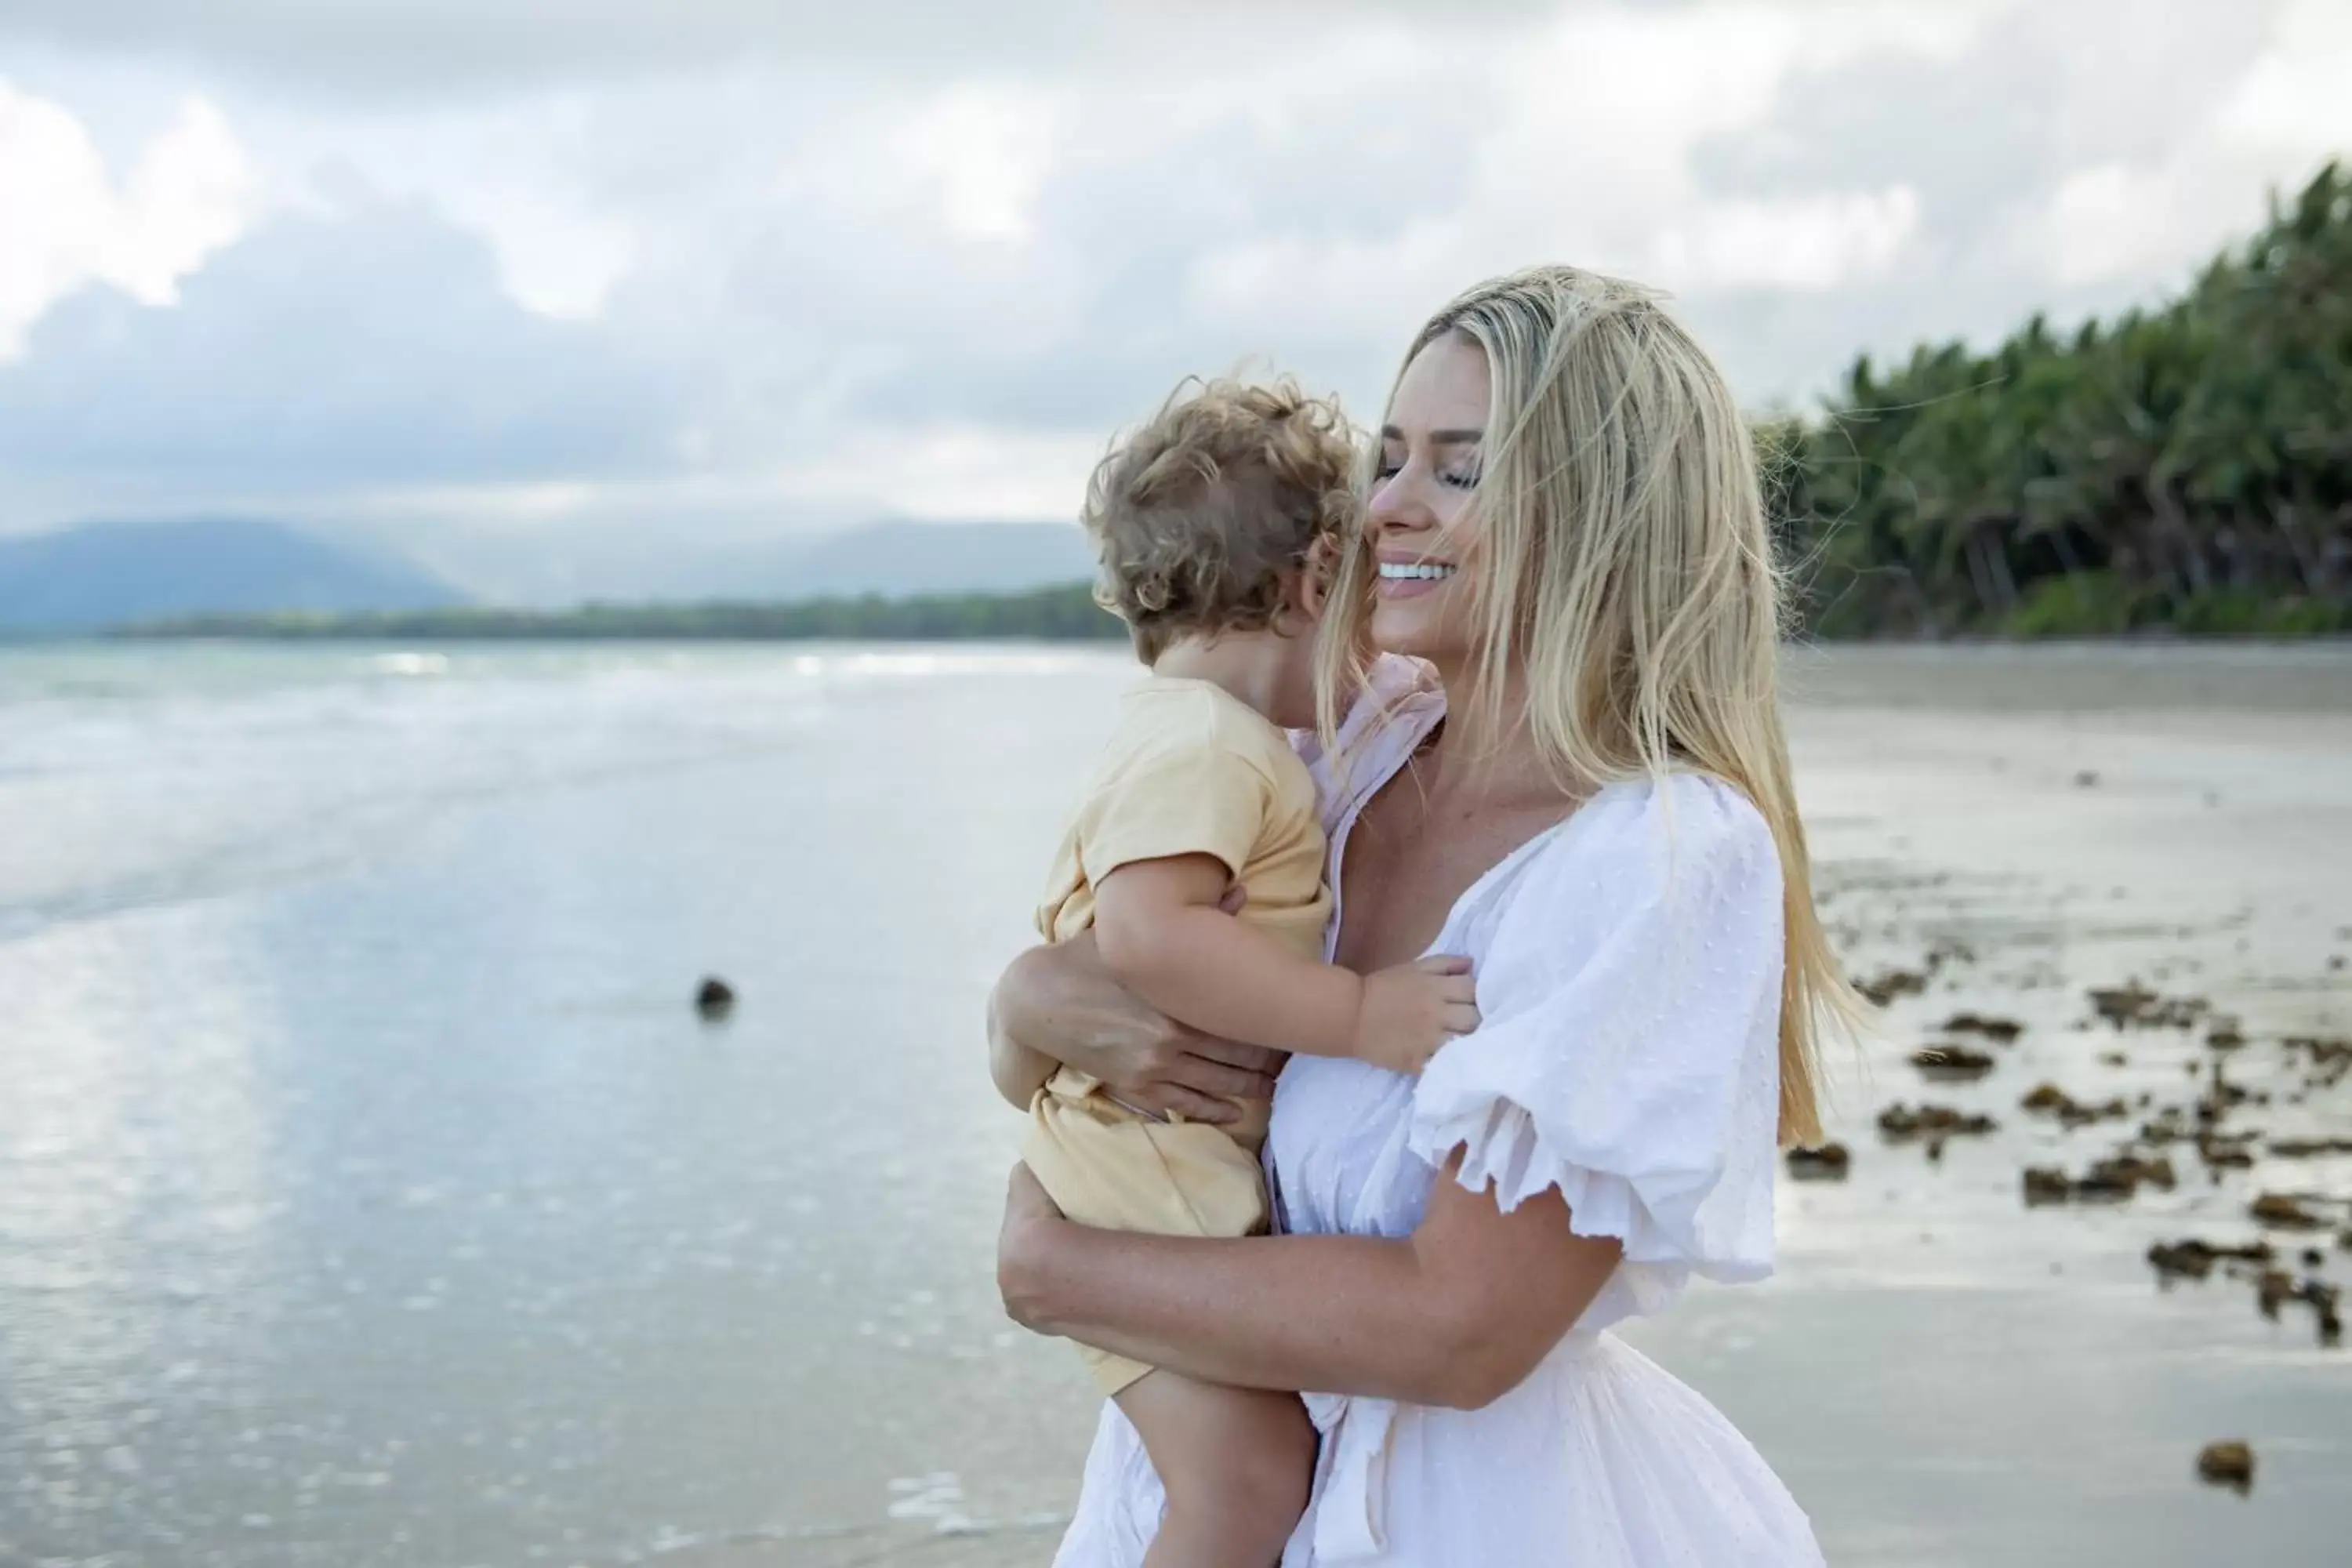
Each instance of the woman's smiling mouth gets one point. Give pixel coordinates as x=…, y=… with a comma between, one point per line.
x=1407, y=578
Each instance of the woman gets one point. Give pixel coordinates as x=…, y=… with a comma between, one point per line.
x=1582, y=786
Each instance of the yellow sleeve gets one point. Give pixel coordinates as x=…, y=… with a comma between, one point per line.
x=1175, y=796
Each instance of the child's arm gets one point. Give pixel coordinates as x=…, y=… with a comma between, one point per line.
x=1159, y=931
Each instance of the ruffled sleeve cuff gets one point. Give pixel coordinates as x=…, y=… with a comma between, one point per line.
x=1659, y=1226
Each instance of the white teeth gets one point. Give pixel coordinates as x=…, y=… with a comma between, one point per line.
x=1410, y=571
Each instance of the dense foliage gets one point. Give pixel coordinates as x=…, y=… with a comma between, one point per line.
x=2188, y=466
x=1056, y=614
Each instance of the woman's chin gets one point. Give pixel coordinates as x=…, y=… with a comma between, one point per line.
x=1403, y=627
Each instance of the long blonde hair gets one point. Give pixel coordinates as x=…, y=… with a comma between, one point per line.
x=1622, y=565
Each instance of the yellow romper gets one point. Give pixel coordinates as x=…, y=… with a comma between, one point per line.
x=1191, y=769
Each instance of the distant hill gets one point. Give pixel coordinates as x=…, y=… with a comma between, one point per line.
x=1064, y=614
x=101, y=574
x=899, y=560
x=641, y=561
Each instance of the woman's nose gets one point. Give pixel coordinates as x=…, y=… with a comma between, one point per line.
x=1406, y=516
x=1394, y=506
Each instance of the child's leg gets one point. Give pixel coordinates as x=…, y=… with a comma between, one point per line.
x=1236, y=1464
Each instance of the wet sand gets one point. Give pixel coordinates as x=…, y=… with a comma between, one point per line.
x=2028, y=1389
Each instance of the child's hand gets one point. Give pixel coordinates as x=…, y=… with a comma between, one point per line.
x=1408, y=1011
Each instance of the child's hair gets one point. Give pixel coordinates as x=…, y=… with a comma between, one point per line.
x=1199, y=515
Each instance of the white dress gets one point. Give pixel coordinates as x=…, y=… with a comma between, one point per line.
x=1629, y=968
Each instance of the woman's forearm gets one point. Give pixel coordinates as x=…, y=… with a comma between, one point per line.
x=1340, y=1313
x=1456, y=1313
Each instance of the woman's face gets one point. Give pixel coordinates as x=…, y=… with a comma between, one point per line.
x=1431, y=450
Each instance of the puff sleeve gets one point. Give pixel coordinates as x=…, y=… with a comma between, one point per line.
x=1629, y=1053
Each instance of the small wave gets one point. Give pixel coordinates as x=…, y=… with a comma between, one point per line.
x=422, y=664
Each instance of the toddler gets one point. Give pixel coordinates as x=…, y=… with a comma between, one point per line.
x=1209, y=521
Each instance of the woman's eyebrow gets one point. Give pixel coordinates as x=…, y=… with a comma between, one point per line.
x=1438, y=438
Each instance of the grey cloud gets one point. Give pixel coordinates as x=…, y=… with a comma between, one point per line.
x=2041, y=93
x=372, y=349
x=430, y=48
x=1132, y=231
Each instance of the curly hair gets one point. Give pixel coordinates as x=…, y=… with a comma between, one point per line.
x=1199, y=516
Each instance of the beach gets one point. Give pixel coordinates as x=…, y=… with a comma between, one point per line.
x=371, y=1192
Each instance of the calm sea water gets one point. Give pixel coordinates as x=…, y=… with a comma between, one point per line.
x=371, y=1193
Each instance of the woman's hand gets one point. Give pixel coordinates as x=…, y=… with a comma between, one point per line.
x=1060, y=1004
x=1022, y=1246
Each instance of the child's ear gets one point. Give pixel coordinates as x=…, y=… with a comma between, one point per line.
x=1294, y=616
x=1315, y=578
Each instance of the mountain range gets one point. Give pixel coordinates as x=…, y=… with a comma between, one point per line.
x=895, y=558
x=99, y=574
x=95, y=575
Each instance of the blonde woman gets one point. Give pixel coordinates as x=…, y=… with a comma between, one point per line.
x=1568, y=765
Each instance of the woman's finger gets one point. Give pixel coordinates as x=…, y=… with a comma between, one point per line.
x=1258, y=1060
x=1444, y=963
x=1461, y=1018
x=1175, y=1099
x=1202, y=1076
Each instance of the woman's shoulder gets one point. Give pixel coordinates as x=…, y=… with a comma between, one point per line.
x=1688, y=849
x=1685, y=817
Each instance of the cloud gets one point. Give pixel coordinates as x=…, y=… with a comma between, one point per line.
x=2041, y=179
x=2294, y=99
x=2109, y=221
x=438, y=48
x=1805, y=245
x=327, y=354
x=984, y=150
x=71, y=223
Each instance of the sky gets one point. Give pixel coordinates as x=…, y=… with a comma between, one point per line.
x=541, y=291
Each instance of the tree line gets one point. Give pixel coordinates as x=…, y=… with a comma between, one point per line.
x=1057, y=614
x=2187, y=466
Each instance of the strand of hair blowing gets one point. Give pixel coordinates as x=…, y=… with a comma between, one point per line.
x=1623, y=565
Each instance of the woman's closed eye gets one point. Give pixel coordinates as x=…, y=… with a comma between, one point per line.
x=1461, y=476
